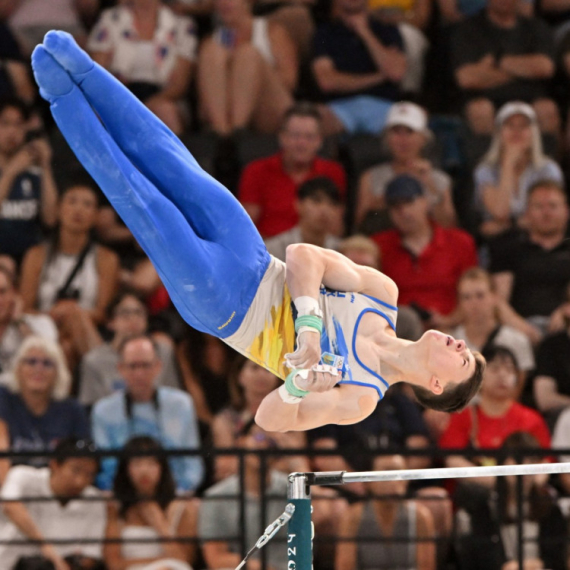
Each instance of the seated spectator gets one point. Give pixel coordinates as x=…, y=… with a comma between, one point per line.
x=32, y=19
x=364, y=251
x=15, y=325
x=73, y=513
x=148, y=512
x=28, y=195
x=152, y=51
x=99, y=376
x=35, y=411
x=204, y=364
x=488, y=423
x=15, y=79
x=415, y=254
x=386, y=514
x=319, y=207
x=268, y=186
x=261, y=55
x=220, y=514
x=480, y=324
x=513, y=164
x=249, y=384
x=487, y=523
x=70, y=277
x=551, y=385
x=531, y=269
x=453, y=11
x=500, y=56
x=143, y=408
x=358, y=64
x=406, y=136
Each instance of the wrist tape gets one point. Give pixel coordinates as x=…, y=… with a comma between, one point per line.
x=292, y=387
x=306, y=305
x=308, y=322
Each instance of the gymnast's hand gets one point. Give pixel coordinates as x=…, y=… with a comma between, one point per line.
x=308, y=353
x=321, y=378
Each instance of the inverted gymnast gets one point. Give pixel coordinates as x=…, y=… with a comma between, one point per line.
x=319, y=321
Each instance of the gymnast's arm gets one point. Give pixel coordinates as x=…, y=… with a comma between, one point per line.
x=309, y=266
x=342, y=405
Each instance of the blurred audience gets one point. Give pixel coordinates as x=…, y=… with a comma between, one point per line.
x=487, y=423
x=318, y=204
x=406, y=137
x=204, y=364
x=15, y=325
x=480, y=324
x=249, y=384
x=99, y=377
x=28, y=194
x=552, y=375
x=70, y=277
x=220, y=512
x=531, y=268
x=415, y=254
x=32, y=19
x=247, y=71
x=487, y=523
x=147, y=511
x=152, y=51
x=35, y=410
x=358, y=63
x=514, y=163
x=67, y=508
x=386, y=515
x=15, y=80
x=268, y=186
x=499, y=56
x=143, y=408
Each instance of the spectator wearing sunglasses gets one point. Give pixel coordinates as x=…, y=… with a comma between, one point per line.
x=35, y=410
x=220, y=507
x=144, y=408
x=72, y=514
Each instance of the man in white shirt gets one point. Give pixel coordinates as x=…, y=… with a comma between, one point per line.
x=68, y=480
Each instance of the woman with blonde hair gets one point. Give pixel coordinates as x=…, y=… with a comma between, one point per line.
x=35, y=411
x=514, y=162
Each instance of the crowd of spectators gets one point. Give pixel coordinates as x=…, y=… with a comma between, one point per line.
x=427, y=139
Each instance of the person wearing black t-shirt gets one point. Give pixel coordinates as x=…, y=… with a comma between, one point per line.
x=358, y=65
x=531, y=269
x=499, y=56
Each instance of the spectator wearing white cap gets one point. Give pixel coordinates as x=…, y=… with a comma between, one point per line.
x=406, y=135
x=514, y=162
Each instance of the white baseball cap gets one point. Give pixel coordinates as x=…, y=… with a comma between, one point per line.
x=409, y=115
x=515, y=108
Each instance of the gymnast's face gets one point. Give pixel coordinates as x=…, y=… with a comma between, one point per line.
x=447, y=359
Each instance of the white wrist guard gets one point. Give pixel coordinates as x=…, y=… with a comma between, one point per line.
x=306, y=305
x=288, y=398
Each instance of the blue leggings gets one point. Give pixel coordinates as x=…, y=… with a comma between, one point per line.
x=203, y=244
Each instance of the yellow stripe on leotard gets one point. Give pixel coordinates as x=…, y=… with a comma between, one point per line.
x=276, y=339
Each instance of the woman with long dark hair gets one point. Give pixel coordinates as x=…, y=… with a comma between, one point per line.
x=147, y=511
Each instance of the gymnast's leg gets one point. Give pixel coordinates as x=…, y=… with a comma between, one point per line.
x=204, y=278
x=209, y=207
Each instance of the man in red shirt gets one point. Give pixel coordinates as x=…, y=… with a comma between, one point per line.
x=497, y=415
x=268, y=186
x=423, y=258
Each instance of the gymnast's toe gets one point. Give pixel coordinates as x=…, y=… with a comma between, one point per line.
x=67, y=53
x=53, y=80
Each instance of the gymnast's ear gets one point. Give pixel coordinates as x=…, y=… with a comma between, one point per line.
x=434, y=386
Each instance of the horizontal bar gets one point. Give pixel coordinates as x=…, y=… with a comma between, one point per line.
x=441, y=473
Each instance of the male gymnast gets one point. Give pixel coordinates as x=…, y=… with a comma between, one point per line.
x=319, y=321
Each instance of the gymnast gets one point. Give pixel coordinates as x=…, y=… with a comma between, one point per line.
x=320, y=322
